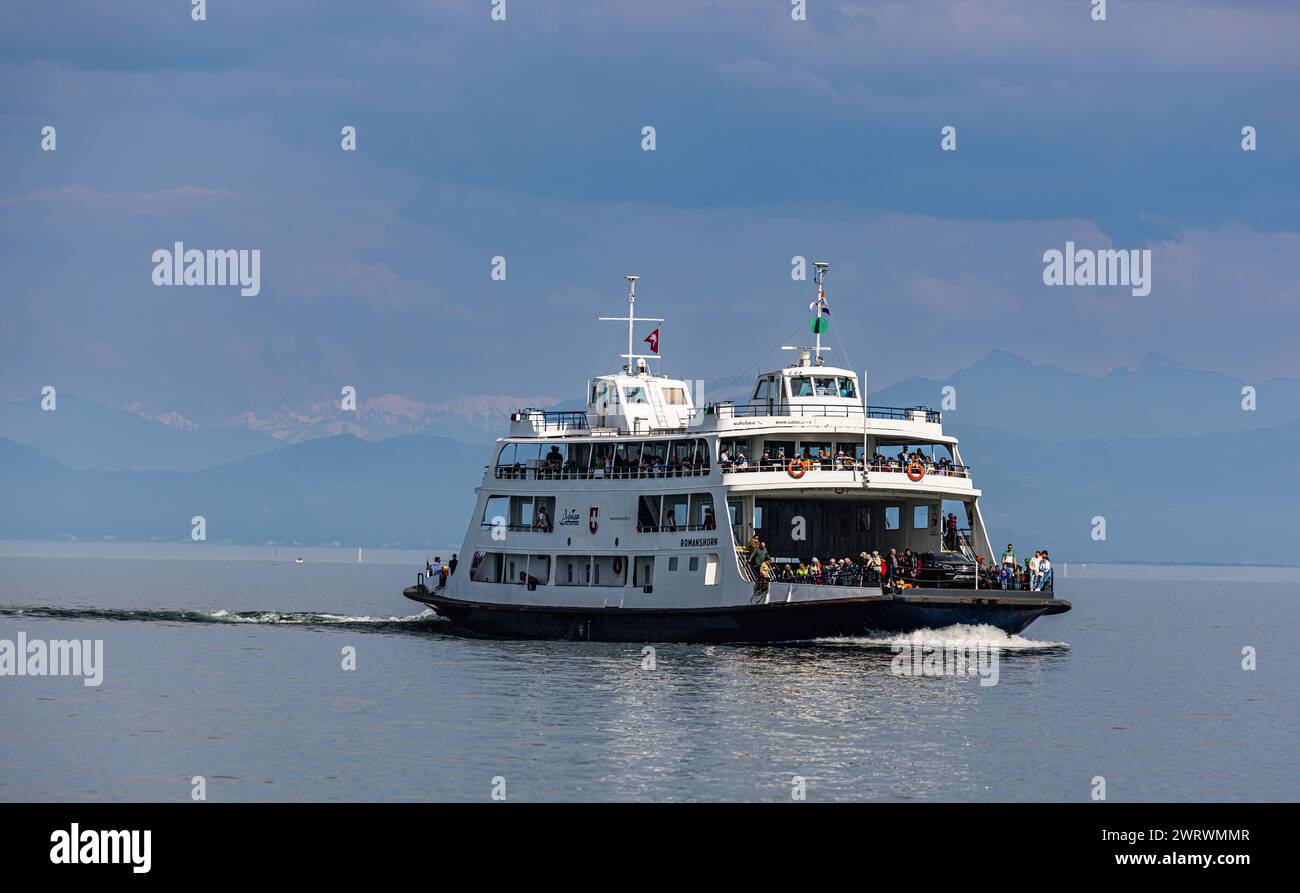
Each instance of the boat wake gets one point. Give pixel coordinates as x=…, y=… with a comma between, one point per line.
x=409, y=623
x=958, y=636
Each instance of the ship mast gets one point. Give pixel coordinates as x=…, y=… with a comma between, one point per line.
x=630, y=319
x=822, y=266
x=817, y=327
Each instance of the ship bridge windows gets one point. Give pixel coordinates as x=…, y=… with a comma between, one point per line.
x=634, y=394
x=766, y=389
x=674, y=396
x=840, y=386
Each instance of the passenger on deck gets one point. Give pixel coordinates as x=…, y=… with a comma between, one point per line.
x=891, y=568
x=709, y=523
x=543, y=521
x=1044, y=573
x=1009, y=558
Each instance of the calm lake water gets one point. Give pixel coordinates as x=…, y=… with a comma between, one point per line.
x=224, y=664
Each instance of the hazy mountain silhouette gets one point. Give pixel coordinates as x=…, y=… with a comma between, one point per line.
x=1164, y=453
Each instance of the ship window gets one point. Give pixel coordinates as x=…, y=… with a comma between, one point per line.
x=758, y=517
x=826, y=387
x=532, y=513
x=488, y=568
x=672, y=563
x=657, y=451
x=496, y=511
x=779, y=449
x=891, y=517
x=675, y=512
x=801, y=386
x=634, y=395
x=808, y=449
x=674, y=397
x=528, y=454
x=920, y=517
x=695, y=563
x=763, y=389
x=701, y=513
x=711, y=570
x=647, y=514
x=848, y=388
x=507, y=455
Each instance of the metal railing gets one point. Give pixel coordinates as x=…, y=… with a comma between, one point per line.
x=673, y=528
x=846, y=464
x=830, y=410
x=552, y=419
x=519, y=528
x=519, y=472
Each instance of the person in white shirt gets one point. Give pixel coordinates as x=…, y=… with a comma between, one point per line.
x=1044, y=572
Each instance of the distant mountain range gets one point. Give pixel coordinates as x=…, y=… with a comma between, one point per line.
x=84, y=434
x=1165, y=454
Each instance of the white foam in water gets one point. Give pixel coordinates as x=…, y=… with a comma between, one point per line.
x=959, y=635
x=300, y=618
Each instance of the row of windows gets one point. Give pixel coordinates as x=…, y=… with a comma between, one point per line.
x=587, y=570
x=675, y=511
x=651, y=455
x=607, y=392
x=769, y=387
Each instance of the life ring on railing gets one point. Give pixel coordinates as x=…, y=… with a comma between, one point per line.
x=796, y=468
x=618, y=564
x=915, y=471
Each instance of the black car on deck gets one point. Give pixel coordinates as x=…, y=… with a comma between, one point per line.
x=949, y=569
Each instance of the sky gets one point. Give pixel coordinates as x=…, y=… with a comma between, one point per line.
x=523, y=139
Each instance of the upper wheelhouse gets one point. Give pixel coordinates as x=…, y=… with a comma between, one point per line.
x=638, y=404
x=807, y=388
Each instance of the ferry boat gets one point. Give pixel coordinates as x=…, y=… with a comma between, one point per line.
x=637, y=519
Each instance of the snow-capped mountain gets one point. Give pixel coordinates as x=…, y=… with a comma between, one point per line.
x=473, y=419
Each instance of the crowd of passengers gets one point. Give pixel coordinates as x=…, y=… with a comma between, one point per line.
x=891, y=571
x=773, y=460
x=607, y=463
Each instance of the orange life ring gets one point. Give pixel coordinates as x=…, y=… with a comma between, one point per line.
x=915, y=471
x=618, y=564
x=796, y=468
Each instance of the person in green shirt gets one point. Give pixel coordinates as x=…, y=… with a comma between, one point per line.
x=1009, y=562
x=759, y=555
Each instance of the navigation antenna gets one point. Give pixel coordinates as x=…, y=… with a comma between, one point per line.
x=818, y=326
x=630, y=319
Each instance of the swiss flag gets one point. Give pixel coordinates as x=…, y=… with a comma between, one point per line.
x=653, y=340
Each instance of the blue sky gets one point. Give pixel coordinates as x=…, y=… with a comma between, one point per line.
x=523, y=138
